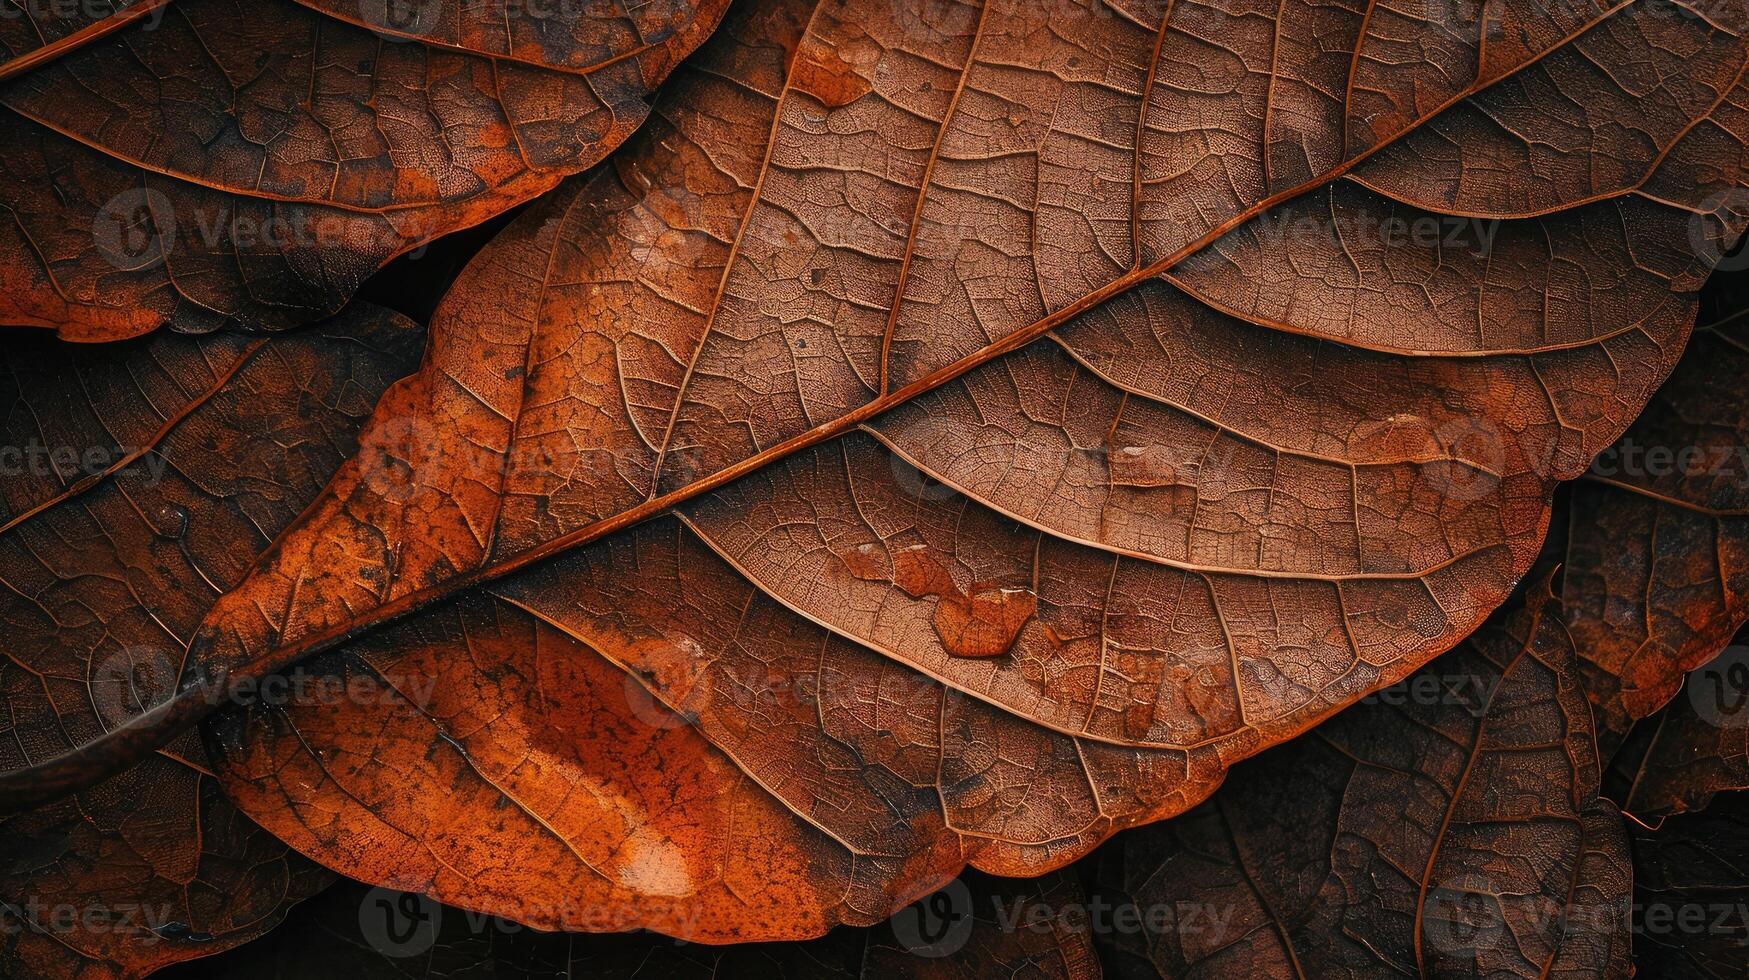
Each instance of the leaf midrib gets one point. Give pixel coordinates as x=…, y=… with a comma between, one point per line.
x=61, y=47
x=827, y=431
x=117, y=747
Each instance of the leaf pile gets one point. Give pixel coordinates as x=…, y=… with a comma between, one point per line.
x=859, y=448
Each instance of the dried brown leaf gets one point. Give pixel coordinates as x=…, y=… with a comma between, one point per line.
x=213, y=162
x=1450, y=828
x=124, y=512
x=1655, y=554
x=1081, y=395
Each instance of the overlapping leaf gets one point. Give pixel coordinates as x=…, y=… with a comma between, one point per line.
x=141, y=479
x=1676, y=773
x=1655, y=557
x=530, y=780
x=1078, y=398
x=1691, y=880
x=1693, y=748
x=219, y=162
x=1451, y=828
